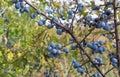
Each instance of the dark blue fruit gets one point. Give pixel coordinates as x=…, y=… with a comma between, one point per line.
x=17, y=5
x=50, y=26
x=80, y=9
x=108, y=12
x=59, y=31
x=58, y=46
x=22, y=4
x=52, y=44
x=32, y=16
x=40, y=23
x=49, y=48
x=107, y=27
x=54, y=51
x=95, y=7
x=14, y=1
x=80, y=70
x=66, y=50
x=73, y=47
x=27, y=9
x=101, y=24
x=70, y=12
x=22, y=10
x=38, y=11
x=69, y=16
x=76, y=64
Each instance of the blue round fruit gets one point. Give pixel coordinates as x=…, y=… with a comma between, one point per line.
x=17, y=5
x=101, y=24
x=58, y=46
x=52, y=44
x=80, y=9
x=107, y=27
x=73, y=47
x=49, y=26
x=38, y=11
x=27, y=9
x=59, y=31
x=49, y=48
x=76, y=64
x=32, y=16
x=80, y=70
x=70, y=16
x=40, y=23
x=70, y=12
x=66, y=50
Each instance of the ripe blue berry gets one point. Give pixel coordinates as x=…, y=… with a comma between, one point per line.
x=40, y=23
x=101, y=24
x=14, y=1
x=94, y=46
x=22, y=10
x=108, y=12
x=38, y=11
x=114, y=60
x=80, y=9
x=59, y=31
x=96, y=19
x=50, y=26
x=66, y=50
x=55, y=19
x=87, y=19
x=100, y=42
x=89, y=45
x=27, y=9
x=22, y=4
x=54, y=51
x=70, y=12
x=17, y=5
x=71, y=39
x=95, y=7
x=114, y=45
x=61, y=16
x=58, y=46
x=74, y=61
x=76, y=64
x=106, y=27
x=97, y=75
x=49, y=48
x=73, y=47
x=80, y=70
x=52, y=44
x=69, y=16
x=58, y=52
x=32, y=16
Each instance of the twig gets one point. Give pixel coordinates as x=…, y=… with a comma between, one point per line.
x=87, y=35
x=69, y=70
x=109, y=70
x=116, y=33
x=71, y=25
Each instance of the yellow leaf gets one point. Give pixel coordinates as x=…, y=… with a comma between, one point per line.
x=57, y=4
x=19, y=54
x=108, y=46
x=43, y=59
x=57, y=15
x=0, y=53
x=17, y=45
x=10, y=56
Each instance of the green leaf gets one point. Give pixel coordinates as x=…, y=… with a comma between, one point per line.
x=27, y=67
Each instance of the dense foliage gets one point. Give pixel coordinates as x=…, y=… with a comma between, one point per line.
x=49, y=38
